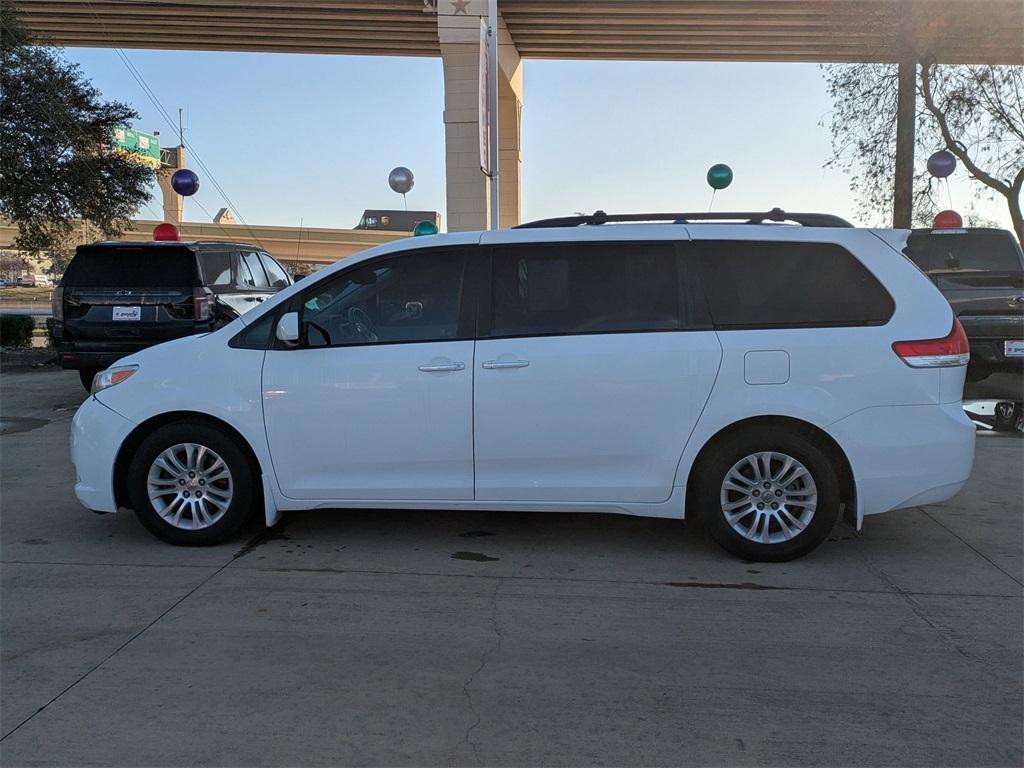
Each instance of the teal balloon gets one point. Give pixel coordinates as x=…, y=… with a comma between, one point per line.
x=719, y=176
x=424, y=228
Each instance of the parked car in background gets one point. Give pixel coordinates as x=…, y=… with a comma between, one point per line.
x=116, y=298
x=980, y=271
x=35, y=281
x=761, y=377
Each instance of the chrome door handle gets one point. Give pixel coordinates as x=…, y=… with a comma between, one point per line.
x=495, y=364
x=443, y=367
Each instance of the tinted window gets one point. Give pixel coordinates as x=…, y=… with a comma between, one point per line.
x=160, y=267
x=257, y=335
x=277, y=276
x=759, y=284
x=216, y=268
x=584, y=288
x=964, y=251
x=251, y=272
x=415, y=297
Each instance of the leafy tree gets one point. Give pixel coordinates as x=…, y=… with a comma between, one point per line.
x=976, y=112
x=55, y=133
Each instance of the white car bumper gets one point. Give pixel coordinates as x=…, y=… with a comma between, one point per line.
x=97, y=433
x=905, y=456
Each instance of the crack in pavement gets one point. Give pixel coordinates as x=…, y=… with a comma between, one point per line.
x=970, y=546
x=256, y=541
x=485, y=656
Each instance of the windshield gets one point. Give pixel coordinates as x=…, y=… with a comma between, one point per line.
x=964, y=252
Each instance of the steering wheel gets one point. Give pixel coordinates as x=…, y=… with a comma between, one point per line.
x=361, y=324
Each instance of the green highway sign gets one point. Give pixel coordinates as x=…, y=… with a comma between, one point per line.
x=136, y=145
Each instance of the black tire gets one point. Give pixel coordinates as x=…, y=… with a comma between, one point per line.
x=1006, y=415
x=240, y=507
x=86, y=375
x=721, y=457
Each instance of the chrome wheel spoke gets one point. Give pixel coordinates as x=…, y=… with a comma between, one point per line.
x=730, y=506
x=792, y=521
x=801, y=503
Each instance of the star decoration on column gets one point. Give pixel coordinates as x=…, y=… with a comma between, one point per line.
x=460, y=7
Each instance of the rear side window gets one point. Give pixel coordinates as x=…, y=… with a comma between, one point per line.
x=278, y=277
x=161, y=267
x=753, y=284
x=556, y=289
x=216, y=268
x=251, y=271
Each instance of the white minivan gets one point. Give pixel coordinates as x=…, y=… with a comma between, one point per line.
x=760, y=375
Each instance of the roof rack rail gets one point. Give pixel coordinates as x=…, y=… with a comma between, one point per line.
x=774, y=215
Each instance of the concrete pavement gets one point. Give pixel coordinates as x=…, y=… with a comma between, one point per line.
x=402, y=638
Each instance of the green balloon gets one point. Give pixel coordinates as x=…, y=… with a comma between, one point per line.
x=424, y=228
x=719, y=176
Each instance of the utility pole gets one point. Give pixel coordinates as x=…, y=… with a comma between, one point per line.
x=492, y=105
x=906, y=114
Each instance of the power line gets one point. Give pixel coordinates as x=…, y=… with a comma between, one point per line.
x=137, y=75
x=50, y=93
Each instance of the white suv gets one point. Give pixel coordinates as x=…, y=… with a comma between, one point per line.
x=760, y=376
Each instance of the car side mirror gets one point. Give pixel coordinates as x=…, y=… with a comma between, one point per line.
x=288, y=328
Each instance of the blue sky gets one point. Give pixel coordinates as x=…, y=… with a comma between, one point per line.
x=312, y=138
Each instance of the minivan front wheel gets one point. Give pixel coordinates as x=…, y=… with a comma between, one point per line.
x=768, y=495
x=190, y=484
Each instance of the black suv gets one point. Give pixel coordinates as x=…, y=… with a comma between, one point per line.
x=980, y=271
x=116, y=298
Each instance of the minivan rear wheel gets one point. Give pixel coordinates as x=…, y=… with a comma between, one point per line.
x=767, y=495
x=190, y=484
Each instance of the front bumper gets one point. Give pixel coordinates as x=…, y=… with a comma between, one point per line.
x=97, y=433
x=908, y=455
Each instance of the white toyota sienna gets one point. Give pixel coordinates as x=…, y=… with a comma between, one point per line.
x=759, y=375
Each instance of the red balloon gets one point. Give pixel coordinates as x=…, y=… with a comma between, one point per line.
x=947, y=220
x=165, y=231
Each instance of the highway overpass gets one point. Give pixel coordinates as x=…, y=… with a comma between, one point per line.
x=899, y=31
x=287, y=244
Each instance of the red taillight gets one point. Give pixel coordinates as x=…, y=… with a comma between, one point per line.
x=936, y=353
x=57, y=304
x=202, y=301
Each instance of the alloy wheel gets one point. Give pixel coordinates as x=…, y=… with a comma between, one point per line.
x=189, y=486
x=768, y=497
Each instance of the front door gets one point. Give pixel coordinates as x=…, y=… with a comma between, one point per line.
x=594, y=374
x=376, y=402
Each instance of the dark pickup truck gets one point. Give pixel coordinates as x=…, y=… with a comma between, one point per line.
x=980, y=271
x=116, y=298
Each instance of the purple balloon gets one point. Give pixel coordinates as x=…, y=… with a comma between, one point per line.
x=941, y=164
x=185, y=182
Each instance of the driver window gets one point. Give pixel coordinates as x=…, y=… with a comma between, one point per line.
x=414, y=297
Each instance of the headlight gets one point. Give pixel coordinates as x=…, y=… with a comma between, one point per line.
x=112, y=376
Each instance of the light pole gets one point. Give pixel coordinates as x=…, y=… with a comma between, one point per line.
x=492, y=104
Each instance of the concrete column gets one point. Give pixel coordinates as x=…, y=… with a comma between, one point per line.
x=467, y=187
x=906, y=113
x=174, y=204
